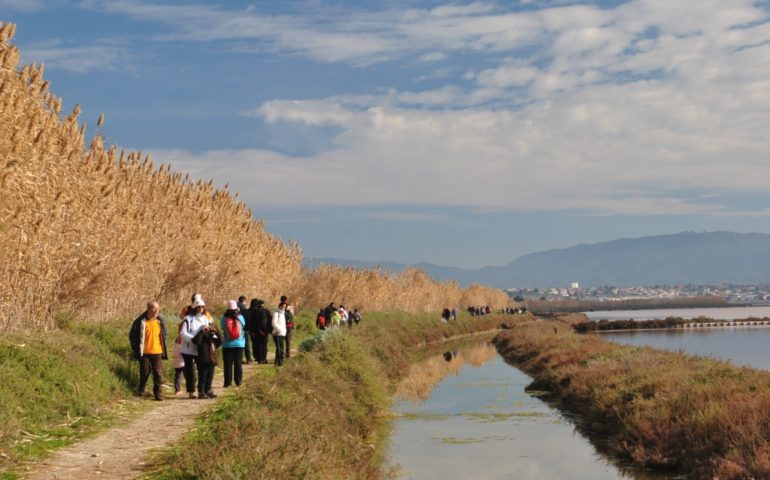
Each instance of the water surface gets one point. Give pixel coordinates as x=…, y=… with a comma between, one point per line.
x=481, y=424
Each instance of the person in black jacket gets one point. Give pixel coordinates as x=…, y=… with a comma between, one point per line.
x=148, y=345
x=208, y=340
x=259, y=327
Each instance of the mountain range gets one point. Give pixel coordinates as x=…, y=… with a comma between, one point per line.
x=705, y=258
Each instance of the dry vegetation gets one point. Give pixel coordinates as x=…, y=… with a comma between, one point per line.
x=702, y=417
x=97, y=231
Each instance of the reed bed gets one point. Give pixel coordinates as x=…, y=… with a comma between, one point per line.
x=700, y=417
x=96, y=231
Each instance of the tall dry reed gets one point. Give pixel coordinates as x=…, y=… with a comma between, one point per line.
x=97, y=231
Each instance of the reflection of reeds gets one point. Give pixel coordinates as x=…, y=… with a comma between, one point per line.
x=424, y=376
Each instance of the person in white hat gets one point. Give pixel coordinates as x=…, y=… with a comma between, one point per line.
x=193, y=323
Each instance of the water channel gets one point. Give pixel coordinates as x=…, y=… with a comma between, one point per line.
x=471, y=417
x=719, y=313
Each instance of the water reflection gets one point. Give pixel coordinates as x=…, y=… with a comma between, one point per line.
x=479, y=422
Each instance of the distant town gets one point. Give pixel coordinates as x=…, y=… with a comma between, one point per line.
x=734, y=294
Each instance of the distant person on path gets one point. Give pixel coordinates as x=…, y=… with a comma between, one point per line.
x=260, y=321
x=343, y=316
x=336, y=319
x=320, y=320
x=279, y=332
x=192, y=324
x=148, y=345
x=328, y=311
x=356, y=316
x=289, y=313
x=244, y=311
x=208, y=339
x=454, y=313
x=234, y=331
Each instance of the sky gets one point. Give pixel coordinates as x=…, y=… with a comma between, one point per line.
x=459, y=133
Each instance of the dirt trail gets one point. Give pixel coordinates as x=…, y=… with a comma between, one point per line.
x=121, y=453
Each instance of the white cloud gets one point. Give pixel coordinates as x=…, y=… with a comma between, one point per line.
x=615, y=110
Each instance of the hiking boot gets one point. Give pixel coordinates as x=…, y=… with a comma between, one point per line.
x=158, y=399
x=211, y=394
x=192, y=395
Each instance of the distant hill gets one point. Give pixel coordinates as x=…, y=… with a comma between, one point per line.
x=688, y=257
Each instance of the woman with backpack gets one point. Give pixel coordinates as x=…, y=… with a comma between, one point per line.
x=233, y=327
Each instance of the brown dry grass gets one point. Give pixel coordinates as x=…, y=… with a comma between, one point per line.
x=707, y=418
x=97, y=231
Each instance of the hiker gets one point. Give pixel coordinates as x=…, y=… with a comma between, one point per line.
x=244, y=311
x=320, y=320
x=328, y=314
x=192, y=324
x=343, y=316
x=178, y=360
x=336, y=319
x=289, y=314
x=454, y=313
x=279, y=332
x=356, y=316
x=148, y=345
x=259, y=318
x=445, y=315
x=233, y=328
x=208, y=339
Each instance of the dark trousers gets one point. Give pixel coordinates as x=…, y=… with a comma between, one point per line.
x=278, y=340
x=206, y=376
x=233, y=358
x=190, y=364
x=247, y=350
x=260, y=348
x=152, y=363
x=287, y=343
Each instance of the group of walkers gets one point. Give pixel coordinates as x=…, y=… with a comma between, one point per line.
x=333, y=317
x=447, y=314
x=195, y=350
x=479, y=310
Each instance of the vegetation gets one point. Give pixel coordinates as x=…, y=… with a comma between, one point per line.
x=550, y=307
x=59, y=387
x=322, y=415
x=699, y=416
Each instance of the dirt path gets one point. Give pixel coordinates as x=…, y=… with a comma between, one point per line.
x=121, y=453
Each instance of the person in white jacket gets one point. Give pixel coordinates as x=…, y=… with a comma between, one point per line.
x=193, y=323
x=279, y=332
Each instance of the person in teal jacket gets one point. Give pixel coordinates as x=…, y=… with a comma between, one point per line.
x=234, y=335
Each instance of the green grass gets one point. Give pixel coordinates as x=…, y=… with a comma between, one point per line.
x=62, y=385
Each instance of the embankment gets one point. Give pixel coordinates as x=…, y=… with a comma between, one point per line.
x=323, y=415
x=697, y=416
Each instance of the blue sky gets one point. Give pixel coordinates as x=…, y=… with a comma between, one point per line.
x=459, y=133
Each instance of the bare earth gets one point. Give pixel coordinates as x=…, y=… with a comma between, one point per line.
x=121, y=453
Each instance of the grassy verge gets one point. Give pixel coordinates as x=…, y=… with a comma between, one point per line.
x=702, y=417
x=323, y=415
x=61, y=385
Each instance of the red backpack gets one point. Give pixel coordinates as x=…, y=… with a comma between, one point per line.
x=233, y=328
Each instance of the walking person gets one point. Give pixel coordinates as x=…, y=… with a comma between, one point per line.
x=233, y=327
x=208, y=339
x=193, y=323
x=148, y=345
x=279, y=332
x=244, y=311
x=260, y=321
x=320, y=320
x=289, y=313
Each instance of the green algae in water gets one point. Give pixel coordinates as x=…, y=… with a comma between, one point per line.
x=423, y=416
x=501, y=417
x=469, y=440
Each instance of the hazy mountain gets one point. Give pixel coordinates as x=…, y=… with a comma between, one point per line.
x=688, y=257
